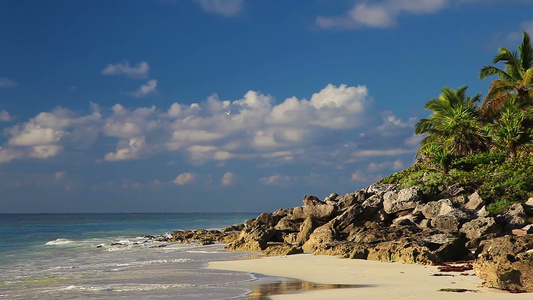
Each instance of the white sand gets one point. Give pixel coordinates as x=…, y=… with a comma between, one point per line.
x=380, y=280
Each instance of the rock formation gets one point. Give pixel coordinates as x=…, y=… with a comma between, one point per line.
x=386, y=223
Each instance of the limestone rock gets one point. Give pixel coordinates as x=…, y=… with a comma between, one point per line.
x=314, y=208
x=452, y=221
x=322, y=236
x=288, y=224
x=507, y=263
x=402, y=200
x=281, y=249
x=475, y=202
x=307, y=227
x=404, y=250
x=479, y=227
x=433, y=209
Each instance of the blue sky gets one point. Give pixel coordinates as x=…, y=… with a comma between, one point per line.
x=226, y=105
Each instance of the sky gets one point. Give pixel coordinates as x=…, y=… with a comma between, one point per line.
x=226, y=105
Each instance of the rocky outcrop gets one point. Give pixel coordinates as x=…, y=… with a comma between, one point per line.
x=507, y=263
x=387, y=223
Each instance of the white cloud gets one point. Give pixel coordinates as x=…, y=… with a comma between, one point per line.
x=45, y=151
x=149, y=88
x=5, y=116
x=277, y=180
x=386, y=152
x=228, y=179
x=226, y=8
x=6, y=82
x=185, y=178
x=123, y=68
x=46, y=134
x=129, y=150
x=336, y=126
x=387, y=165
x=7, y=155
x=380, y=14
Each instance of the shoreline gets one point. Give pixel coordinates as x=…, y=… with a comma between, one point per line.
x=380, y=280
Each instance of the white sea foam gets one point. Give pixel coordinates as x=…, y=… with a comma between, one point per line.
x=59, y=242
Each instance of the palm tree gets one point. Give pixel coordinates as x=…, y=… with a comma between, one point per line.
x=515, y=82
x=453, y=126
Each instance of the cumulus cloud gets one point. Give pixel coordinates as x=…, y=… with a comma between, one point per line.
x=146, y=89
x=127, y=150
x=334, y=126
x=228, y=179
x=387, y=165
x=226, y=8
x=380, y=14
x=6, y=82
x=5, y=116
x=46, y=134
x=140, y=70
x=185, y=178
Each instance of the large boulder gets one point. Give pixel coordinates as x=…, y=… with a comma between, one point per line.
x=515, y=217
x=405, y=199
x=314, y=208
x=507, y=263
x=479, y=227
x=322, y=236
x=452, y=221
x=288, y=224
x=433, y=209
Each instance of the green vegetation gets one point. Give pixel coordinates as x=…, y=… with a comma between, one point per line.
x=486, y=148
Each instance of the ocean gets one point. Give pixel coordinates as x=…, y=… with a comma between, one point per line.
x=109, y=256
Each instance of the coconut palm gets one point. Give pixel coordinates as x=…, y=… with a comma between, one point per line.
x=454, y=124
x=515, y=82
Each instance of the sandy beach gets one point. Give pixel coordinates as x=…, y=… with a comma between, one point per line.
x=372, y=279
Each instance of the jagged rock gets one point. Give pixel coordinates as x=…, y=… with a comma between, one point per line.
x=452, y=221
x=475, y=202
x=528, y=206
x=287, y=224
x=307, y=227
x=267, y=219
x=332, y=199
x=507, y=263
x=290, y=238
x=383, y=234
x=282, y=212
x=348, y=218
x=433, y=209
x=479, y=227
x=255, y=235
x=379, y=189
x=446, y=247
x=231, y=228
x=409, y=219
x=281, y=249
x=404, y=250
x=515, y=217
x=351, y=199
x=401, y=200
x=315, y=209
x=483, y=212
x=321, y=236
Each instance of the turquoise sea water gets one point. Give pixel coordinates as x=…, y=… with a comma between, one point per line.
x=107, y=256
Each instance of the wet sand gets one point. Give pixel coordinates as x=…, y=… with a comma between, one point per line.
x=319, y=277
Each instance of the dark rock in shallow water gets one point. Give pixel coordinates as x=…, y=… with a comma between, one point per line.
x=507, y=263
